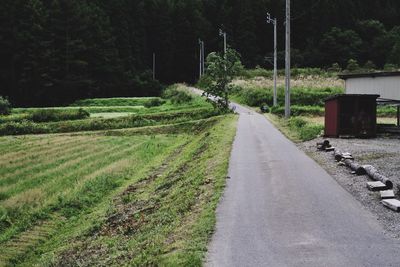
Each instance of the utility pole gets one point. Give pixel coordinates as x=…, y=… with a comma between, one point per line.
x=223, y=34
x=154, y=66
x=287, y=67
x=274, y=22
x=201, y=59
x=203, y=56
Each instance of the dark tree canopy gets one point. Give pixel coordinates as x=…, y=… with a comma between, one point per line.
x=55, y=51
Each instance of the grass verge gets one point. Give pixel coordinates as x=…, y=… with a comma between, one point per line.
x=296, y=129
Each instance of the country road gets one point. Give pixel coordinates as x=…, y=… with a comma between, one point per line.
x=280, y=208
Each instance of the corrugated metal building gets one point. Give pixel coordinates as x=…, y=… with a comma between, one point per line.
x=385, y=84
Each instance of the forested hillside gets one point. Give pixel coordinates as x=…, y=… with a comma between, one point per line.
x=55, y=51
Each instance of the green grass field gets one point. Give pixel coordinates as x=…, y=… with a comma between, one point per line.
x=132, y=196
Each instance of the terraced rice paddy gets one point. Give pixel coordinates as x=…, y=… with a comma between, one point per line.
x=140, y=196
x=45, y=176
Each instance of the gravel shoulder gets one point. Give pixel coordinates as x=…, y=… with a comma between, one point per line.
x=383, y=153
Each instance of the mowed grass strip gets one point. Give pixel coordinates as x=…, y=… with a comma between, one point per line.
x=13, y=165
x=58, y=168
x=7, y=142
x=97, y=186
x=37, y=189
x=22, y=143
x=83, y=161
x=47, y=162
x=36, y=145
x=56, y=158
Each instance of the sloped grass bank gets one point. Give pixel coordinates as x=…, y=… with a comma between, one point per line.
x=151, y=119
x=298, y=129
x=117, y=197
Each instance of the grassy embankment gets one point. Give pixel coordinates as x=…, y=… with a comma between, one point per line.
x=309, y=89
x=98, y=114
x=135, y=196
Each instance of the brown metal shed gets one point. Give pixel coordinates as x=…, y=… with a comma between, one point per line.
x=350, y=115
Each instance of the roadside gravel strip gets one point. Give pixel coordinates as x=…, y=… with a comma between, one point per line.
x=383, y=153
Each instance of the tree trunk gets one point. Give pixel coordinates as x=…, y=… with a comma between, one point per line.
x=373, y=173
x=355, y=167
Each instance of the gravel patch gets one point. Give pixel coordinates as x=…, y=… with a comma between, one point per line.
x=383, y=153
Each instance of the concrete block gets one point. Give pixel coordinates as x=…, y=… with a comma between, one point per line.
x=386, y=194
x=376, y=186
x=392, y=204
x=348, y=157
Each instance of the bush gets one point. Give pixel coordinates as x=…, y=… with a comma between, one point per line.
x=177, y=96
x=23, y=127
x=5, y=106
x=155, y=102
x=387, y=111
x=111, y=102
x=257, y=72
x=204, y=82
x=255, y=97
x=299, y=110
x=48, y=115
x=369, y=66
x=297, y=122
x=310, y=131
x=352, y=65
x=335, y=68
x=306, y=131
x=390, y=67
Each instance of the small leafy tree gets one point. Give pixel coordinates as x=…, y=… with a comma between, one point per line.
x=221, y=69
x=335, y=68
x=352, y=65
x=369, y=66
x=390, y=67
x=5, y=106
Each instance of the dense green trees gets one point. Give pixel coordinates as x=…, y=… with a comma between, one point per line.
x=55, y=51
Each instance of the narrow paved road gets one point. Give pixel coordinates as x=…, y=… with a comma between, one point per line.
x=280, y=208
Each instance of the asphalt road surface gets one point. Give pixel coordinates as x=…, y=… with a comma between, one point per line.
x=280, y=208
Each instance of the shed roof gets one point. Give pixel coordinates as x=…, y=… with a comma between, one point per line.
x=351, y=96
x=369, y=75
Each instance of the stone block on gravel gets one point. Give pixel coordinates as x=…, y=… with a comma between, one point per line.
x=387, y=194
x=392, y=204
x=376, y=186
x=348, y=157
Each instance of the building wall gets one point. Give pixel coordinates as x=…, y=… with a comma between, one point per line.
x=386, y=87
